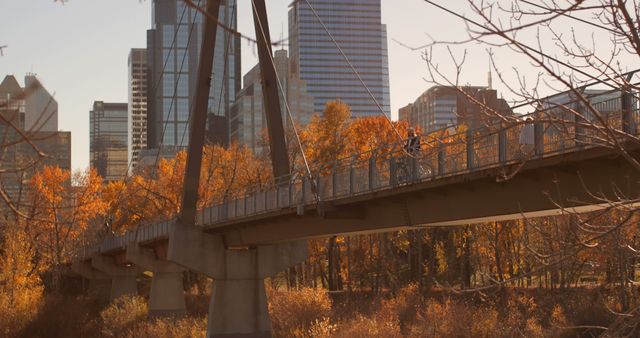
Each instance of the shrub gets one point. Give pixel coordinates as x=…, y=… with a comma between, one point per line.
x=294, y=312
x=456, y=319
x=20, y=286
x=169, y=327
x=322, y=329
x=65, y=317
x=402, y=309
x=363, y=327
x=122, y=314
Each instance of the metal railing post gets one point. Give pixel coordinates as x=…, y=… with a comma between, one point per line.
x=470, y=150
x=352, y=177
x=393, y=178
x=628, y=122
x=414, y=168
x=579, y=137
x=303, y=191
x=372, y=173
x=291, y=185
x=334, y=181
x=538, y=137
x=502, y=145
x=441, y=161
x=266, y=203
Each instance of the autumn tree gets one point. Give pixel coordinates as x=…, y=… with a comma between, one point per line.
x=21, y=289
x=64, y=206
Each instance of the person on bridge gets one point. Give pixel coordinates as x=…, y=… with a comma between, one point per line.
x=412, y=146
x=527, y=139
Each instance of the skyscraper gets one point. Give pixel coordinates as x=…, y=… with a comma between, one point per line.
x=41, y=110
x=32, y=110
x=247, y=118
x=137, y=103
x=357, y=27
x=443, y=106
x=109, y=138
x=173, y=47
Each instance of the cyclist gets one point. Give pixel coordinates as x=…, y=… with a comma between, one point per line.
x=412, y=146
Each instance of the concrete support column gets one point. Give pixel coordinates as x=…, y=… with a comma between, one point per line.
x=99, y=282
x=238, y=305
x=166, y=297
x=123, y=278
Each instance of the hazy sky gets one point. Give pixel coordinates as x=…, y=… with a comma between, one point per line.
x=79, y=50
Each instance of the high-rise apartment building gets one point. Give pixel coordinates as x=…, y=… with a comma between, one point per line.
x=442, y=106
x=30, y=111
x=37, y=108
x=173, y=50
x=41, y=110
x=247, y=119
x=137, y=103
x=357, y=27
x=109, y=139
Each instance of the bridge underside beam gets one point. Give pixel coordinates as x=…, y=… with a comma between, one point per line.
x=123, y=278
x=544, y=190
x=166, y=297
x=238, y=306
x=99, y=282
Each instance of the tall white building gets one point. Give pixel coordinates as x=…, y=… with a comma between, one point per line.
x=357, y=27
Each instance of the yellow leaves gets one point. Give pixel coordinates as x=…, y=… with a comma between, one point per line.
x=20, y=285
x=63, y=206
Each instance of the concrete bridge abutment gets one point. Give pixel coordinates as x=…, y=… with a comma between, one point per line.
x=238, y=306
x=99, y=282
x=123, y=278
x=166, y=297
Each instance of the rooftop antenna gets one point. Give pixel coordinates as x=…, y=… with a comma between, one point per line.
x=490, y=80
x=282, y=35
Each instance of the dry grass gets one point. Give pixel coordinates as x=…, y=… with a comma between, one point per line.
x=293, y=313
x=168, y=327
x=122, y=314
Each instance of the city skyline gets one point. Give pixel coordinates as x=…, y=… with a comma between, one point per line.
x=68, y=71
x=173, y=47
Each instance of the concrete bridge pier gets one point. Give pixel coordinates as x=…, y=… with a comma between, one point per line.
x=166, y=297
x=99, y=282
x=123, y=278
x=238, y=306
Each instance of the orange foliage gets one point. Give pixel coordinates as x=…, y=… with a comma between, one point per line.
x=63, y=207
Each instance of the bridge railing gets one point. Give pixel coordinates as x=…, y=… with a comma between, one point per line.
x=555, y=130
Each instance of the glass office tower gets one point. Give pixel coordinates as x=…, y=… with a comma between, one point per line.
x=108, y=139
x=173, y=47
x=357, y=27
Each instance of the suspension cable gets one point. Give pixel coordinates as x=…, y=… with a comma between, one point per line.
x=284, y=97
x=155, y=91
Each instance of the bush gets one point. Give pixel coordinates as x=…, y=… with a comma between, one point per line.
x=363, y=327
x=65, y=317
x=122, y=314
x=402, y=309
x=21, y=288
x=169, y=327
x=294, y=312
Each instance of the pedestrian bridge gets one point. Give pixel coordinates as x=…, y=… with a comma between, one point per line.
x=488, y=174
x=468, y=177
